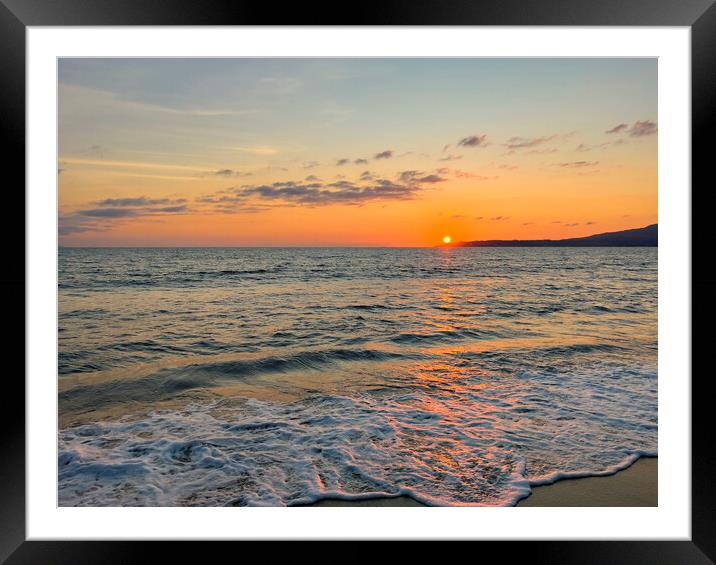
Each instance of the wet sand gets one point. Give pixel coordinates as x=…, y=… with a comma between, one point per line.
x=396, y=501
x=634, y=486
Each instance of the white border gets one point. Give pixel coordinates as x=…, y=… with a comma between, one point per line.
x=671, y=520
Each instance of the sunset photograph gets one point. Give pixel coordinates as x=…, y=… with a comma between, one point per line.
x=349, y=282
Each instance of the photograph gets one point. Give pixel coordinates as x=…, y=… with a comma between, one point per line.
x=357, y=281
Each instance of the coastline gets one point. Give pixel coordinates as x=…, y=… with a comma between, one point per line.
x=633, y=486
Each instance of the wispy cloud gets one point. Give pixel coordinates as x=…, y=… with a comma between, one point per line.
x=642, y=128
x=419, y=177
x=450, y=158
x=121, y=212
x=110, y=212
x=227, y=173
x=460, y=174
x=584, y=147
x=577, y=164
x=384, y=154
x=139, y=201
x=473, y=141
x=257, y=150
x=130, y=164
x=527, y=142
x=617, y=129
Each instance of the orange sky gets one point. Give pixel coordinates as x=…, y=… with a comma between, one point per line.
x=353, y=152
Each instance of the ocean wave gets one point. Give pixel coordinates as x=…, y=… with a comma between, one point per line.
x=165, y=383
x=452, y=446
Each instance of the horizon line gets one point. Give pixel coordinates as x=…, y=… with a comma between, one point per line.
x=455, y=244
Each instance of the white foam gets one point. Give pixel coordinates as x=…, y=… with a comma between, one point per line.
x=457, y=445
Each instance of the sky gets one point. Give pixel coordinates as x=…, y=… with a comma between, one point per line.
x=353, y=152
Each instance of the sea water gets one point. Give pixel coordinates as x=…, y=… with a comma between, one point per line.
x=264, y=376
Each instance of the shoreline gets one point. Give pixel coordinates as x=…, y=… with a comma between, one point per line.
x=633, y=486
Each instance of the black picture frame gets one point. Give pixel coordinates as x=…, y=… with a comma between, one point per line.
x=699, y=15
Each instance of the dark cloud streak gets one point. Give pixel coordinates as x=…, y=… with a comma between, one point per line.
x=473, y=141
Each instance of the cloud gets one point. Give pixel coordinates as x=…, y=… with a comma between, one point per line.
x=367, y=188
x=584, y=147
x=430, y=179
x=139, y=201
x=384, y=154
x=642, y=128
x=311, y=164
x=457, y=173
x=131, y=212
x=450, y=158
x=617, y=129
x=639, y=129
x=526, y=142
x=227, y=173
x=166, y=210
x=361, y=162
x=109, y=212
x=545, y=151
x=71, y=224
x=122, y=208
x=312, y=178
x=578, y=164
x=473, y=141
x=341, y=162
x=419, y=177
x=494, y=218
x=341, y=192
x=257, y=150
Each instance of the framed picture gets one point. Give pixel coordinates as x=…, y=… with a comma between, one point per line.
x=420, y=274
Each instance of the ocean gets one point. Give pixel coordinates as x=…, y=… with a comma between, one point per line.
x=279, y=377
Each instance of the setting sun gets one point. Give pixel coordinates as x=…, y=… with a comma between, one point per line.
x=447, y=239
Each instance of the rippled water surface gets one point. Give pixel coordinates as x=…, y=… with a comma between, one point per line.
x=282, y=376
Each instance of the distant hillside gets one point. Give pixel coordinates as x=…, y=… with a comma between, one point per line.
x=640, y=237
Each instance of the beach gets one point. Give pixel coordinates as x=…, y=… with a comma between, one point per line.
x=636, y=485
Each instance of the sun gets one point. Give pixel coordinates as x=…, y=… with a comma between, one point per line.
x=447, y=239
